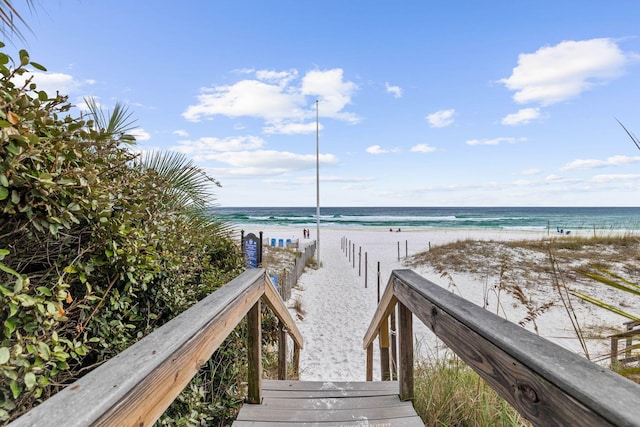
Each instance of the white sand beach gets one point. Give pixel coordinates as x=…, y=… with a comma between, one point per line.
x=338, y=308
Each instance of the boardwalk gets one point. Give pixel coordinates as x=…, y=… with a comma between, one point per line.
x=306, y=403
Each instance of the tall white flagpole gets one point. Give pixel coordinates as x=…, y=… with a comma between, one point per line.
x=317, y=187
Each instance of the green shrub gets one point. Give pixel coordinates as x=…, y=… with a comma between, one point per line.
x=97, y=245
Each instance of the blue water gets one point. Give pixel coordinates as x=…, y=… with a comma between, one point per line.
x=523, y=218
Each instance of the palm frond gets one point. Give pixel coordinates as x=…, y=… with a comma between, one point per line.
x=117, y=123
x=604, y=305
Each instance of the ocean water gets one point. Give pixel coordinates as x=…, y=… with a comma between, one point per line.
x=522, y=218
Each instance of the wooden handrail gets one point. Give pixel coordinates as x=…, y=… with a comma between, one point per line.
x=136, y=386
x=546, y=383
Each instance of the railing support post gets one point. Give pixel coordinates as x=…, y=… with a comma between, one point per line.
x=383, y=339
x=296, y=359
x=394, y=348
x=282, y=351
x=254, y=348
x=405, y=377
x=370, y=362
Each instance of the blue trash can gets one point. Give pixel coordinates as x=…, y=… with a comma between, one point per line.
x=281, y=243
x=273, y=243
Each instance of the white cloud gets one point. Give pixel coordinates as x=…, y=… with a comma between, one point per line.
x=266, y=162
x=557, y=73
x=140, y=134
x=532, y=171
x=441, y=118
x=291, y=128
x=65, y=84
x=423, y=148
x=332, y=91
x=376, y=149
x=595, y=163
x=181, y=133
x=600, y=179
x=494, y=141
x=279, y=98
x=396, y=91
x=204, y=146
x=523, y=116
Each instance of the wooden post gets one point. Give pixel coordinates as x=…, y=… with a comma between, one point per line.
x=370, y=362
x=378, y=282
x=383, y=340
x=359, y=261
x=354, y=255
x=394, y=348
x=254, y=344
x=366, y=269
x=349, y=250
x=406, y=249
x=405, y=374
x=282, y=352
x=296, y=359
x=398, y=250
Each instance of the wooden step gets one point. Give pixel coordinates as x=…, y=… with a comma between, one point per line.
x=330, y=403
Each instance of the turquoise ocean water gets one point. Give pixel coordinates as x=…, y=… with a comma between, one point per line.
x=523, y=218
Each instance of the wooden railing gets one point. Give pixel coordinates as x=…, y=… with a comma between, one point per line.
x=546, y=383
x=136, y=386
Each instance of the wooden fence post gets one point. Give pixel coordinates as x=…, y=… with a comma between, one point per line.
x=366, y=269
x=370, y=362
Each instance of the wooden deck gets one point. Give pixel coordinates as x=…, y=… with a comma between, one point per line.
x=308, y=403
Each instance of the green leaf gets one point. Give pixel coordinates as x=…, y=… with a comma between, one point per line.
x=44, y=290
x=30, y=380
x=4, y=355
x=4, y=193
x=7, y=269
x=37, y=66
x=4, y=253
x=15, y=388
x=3, y=180
x=24, y=57
x=10, y=325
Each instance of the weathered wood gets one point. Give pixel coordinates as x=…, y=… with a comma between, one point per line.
x=386, y=304
x=394, y=346
x=546, y=383
x=295, y=403
x=383, y=340
x=282, y=352
x=405, y=366
x=137, y=385
x=254, y=349
x=369, y=366
x=296, y=359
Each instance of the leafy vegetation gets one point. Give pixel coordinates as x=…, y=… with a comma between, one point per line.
x=98, y=245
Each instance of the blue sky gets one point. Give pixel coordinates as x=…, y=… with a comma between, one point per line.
x=421, y=103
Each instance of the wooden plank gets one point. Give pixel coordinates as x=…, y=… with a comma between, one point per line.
x=383, y=342
x=320, y=403
x=136, y=386
x=264, y=413
x=547, y=384
x=330, y=386
x=401, y=422
x=405, y=365
x=254, y=349
x=383, y=401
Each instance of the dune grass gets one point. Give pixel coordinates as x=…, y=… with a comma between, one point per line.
x=449, y=393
